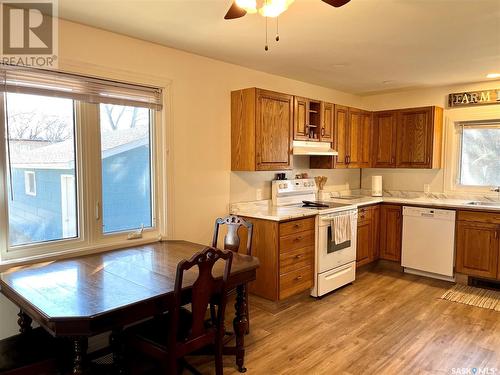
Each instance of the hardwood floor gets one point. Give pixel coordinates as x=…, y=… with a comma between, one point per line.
x=385, y=323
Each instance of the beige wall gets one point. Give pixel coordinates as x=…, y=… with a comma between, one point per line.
x=439, y=180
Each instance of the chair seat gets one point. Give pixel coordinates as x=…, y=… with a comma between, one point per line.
x=155, y=331
x=32, y=348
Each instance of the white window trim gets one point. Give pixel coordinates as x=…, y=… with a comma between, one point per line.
x=93, y=241
x=452, y=150
x=27, y=189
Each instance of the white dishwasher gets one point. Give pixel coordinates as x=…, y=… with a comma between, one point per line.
x=428, y=242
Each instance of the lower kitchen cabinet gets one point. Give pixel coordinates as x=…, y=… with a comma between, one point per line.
x=286, y=254
x=368, y=235
x=391, y=226
x=478, y=244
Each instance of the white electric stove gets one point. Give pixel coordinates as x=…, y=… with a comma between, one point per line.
x=335, y=264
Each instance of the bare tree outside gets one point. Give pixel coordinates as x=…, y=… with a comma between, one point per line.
x=481, y=157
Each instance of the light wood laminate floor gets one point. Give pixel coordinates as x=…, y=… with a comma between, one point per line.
x=385, y=323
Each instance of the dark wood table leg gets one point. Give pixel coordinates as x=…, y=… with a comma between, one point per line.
x=116, y=343
x=240, y=324
x=80, y=346
x=24, y=322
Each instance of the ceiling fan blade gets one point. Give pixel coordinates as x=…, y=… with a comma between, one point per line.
x=234, y=12
x=336, y=3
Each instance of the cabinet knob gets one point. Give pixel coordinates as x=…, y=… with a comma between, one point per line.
x=298, y=256
x=296, y=226
x=297, y=239
x=322, y=132
x=298, y=278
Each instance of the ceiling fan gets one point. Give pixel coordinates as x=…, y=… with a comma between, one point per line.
x=268, y=9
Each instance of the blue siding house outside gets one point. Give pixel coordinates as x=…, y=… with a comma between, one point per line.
x=126, y=196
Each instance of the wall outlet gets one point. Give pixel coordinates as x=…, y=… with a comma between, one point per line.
x=258, y=194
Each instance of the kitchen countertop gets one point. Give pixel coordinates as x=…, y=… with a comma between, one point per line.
x=265, y=210
x=420, y=201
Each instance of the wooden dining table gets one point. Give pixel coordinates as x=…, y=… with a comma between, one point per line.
x=80, y=297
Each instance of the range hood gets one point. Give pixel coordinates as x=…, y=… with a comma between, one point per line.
x=313, y=148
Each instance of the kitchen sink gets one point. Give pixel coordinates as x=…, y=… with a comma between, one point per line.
x=487, y=204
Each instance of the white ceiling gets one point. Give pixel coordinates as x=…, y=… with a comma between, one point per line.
x=366, y=46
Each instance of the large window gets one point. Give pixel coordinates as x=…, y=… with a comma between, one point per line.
x=480, y=154
x=59, y=195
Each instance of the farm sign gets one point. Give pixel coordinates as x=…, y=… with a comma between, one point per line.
x=470, y=98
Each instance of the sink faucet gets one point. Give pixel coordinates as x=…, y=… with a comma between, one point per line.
x=497, y=189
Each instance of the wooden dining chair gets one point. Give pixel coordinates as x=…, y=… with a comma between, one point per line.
x=29, y=353
x=232, y=238
x=180, y=332
x=232, y=242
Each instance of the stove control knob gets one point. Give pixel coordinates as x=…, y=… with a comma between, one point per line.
x=281, y=186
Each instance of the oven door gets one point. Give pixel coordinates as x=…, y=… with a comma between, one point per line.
x=330, y=254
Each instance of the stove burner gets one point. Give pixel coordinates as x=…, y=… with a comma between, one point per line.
x=314, y=204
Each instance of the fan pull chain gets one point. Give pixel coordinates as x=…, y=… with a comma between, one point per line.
x=277, y=30
x=267, y=46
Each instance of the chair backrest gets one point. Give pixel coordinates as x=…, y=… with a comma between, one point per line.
x=232, y=239
x=204, y=290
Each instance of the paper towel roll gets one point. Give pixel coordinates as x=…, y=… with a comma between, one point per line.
x=376, y=186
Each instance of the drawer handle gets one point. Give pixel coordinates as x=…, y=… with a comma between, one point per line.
x=296, y=226
x=299, y=238
x=298, y=278
x=298, y=256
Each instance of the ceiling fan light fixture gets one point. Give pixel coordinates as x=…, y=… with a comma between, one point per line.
x=249, y=5
x=273, y=8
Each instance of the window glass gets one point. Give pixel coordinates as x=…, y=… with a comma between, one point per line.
x=40, y=151
x=480, y=159
x=126, y=167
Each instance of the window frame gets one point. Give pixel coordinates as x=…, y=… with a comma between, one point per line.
x=27, y=184
x=91, y=238
x=452, y=142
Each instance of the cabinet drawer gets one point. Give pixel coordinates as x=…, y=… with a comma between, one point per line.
x=296, y=241
x=365, y=213
x=295, y=259
x=295, y=282
x=295, y=226
x=482, y=217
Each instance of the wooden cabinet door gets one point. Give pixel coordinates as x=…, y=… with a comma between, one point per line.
x=274, y=126
x=355, y=138
x=365, y=140
x=384, y=139
x=341, y=135
x=477, y=249
x=300, y=129
x=364, y=243
x=376, y=231
x=359, y=138
x=414, y=138
x=390, y=232
x=327, y=122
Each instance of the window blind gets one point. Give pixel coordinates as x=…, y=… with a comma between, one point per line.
x=78, y=87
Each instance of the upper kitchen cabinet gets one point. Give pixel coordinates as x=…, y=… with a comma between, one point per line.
x=384, y=139
x=327, y=122
x=308, y=125
x=352, y=140
x=419, y=137
x=359, y=138
x=261, y=130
